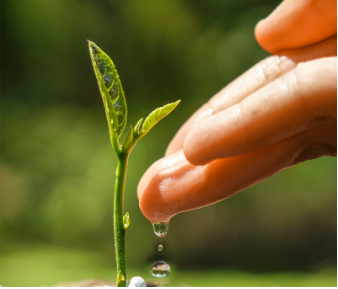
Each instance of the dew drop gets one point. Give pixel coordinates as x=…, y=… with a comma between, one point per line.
x=161, y=229
x=160, y=247
x=160, y=269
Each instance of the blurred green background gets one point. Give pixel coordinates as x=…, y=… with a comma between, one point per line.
x=57, y=165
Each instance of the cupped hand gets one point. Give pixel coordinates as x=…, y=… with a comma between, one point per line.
x=280, y=112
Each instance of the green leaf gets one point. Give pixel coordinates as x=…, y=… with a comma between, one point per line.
x=158, y=114
x=137, y=126
x=126, y=221
x=120, y=277
x=110, y=87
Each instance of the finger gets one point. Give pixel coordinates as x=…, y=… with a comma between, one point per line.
x=303, y=98
x=173, y=185
x=325, y=48
x=298, y=23
x=255, y=78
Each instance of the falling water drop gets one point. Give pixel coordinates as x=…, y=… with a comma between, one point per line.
x=161, y=229
x=160, y=269
x=160, y=247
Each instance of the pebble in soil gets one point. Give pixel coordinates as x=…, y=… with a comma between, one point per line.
x=137, y=281
x=160, y=269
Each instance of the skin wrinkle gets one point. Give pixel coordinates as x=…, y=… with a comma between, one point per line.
x=303, y=108
x=324, y=146
x=206, y=113
x=310, y=109
x=275, y=70
x=316, y=151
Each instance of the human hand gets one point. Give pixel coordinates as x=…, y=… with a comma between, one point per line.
x=277, y=114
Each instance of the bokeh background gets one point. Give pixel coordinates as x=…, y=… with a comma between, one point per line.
x=57, y=165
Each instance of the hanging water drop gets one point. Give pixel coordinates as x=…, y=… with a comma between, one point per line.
x=160, y=247
x=160, y=269
x=161, y=229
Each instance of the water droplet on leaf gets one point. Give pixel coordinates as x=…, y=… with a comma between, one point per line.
x=160, y=247
x=161, y=229
x=160, y=269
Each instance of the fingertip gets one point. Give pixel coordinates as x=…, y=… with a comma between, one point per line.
x=262, y=36
x=149, y=196
x=156, y=197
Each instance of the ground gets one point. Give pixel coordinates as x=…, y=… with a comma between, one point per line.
x=46, y=266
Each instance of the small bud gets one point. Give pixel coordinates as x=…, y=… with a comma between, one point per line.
x=126, y=221
x=120, y=277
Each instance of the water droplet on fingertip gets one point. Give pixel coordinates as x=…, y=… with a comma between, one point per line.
x=161, y=229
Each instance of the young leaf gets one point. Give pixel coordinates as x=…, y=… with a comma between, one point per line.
x=126, y=221
x=110, y=87
x=129, y=138
x=158, y=114
x=137, y=126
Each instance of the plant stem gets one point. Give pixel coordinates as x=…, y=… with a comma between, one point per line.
x=119, y=231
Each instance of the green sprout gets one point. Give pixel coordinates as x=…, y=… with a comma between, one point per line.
x=116, y=111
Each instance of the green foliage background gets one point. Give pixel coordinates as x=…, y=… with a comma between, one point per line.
x=57, y=165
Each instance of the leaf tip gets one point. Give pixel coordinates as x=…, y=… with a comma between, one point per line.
x=177, y=102
x=138, y=126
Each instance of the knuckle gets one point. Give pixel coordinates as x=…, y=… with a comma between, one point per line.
x=275, y=66
x=238, y=113
x=293, y=86
x=316, y=151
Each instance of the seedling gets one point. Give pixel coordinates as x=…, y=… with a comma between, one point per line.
x=116, y=111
